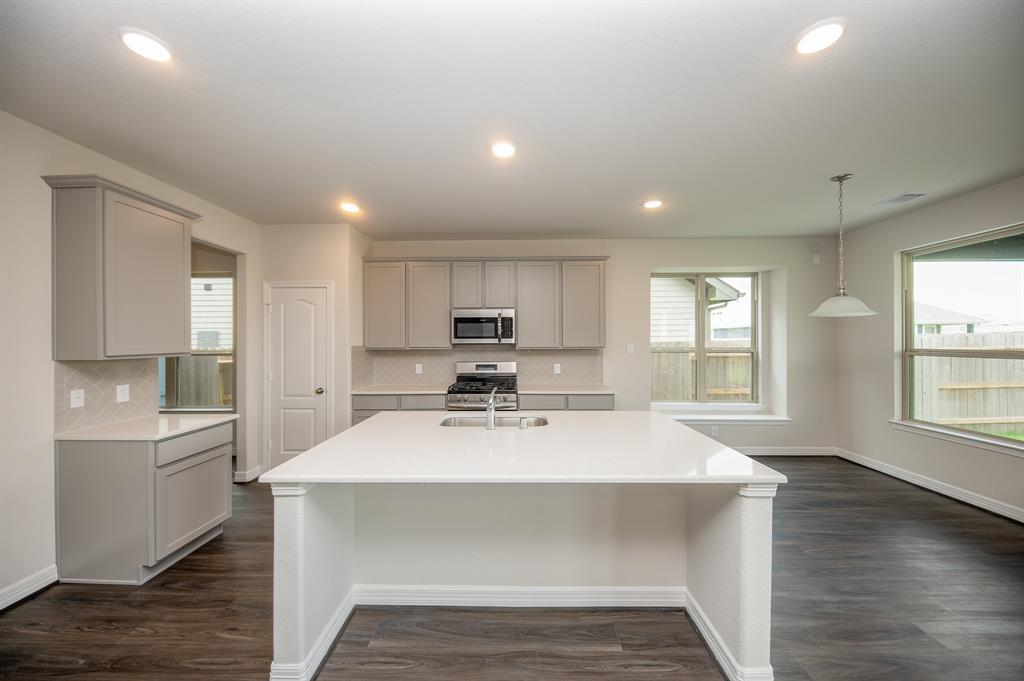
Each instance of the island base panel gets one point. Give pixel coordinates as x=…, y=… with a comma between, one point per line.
x=706, y=547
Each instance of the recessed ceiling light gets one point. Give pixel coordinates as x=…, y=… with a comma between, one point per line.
x=145, y=44
x=503, y=149
x=350, y=207
x=817, y=37
x=651, y=204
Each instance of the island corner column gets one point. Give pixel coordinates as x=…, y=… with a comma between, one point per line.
x=729, y=573
x=314, y=573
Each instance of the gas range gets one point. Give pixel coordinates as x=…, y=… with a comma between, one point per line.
x=474, y=382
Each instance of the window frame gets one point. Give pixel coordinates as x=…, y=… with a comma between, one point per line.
x=908, y=352
x=701, y=349
x=171, y=360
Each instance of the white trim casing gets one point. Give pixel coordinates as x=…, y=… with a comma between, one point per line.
x=27, y=586
x=787, y=451
x=249, y=475
x=307, y=669
x=724, y=657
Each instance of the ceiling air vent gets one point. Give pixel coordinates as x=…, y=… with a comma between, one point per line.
x=903, y=198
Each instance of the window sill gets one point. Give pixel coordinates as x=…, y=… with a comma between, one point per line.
x=730, y=419
x=709, y=407
x=951, y=435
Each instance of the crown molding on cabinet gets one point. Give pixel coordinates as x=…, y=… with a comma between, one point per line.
x=77, y=181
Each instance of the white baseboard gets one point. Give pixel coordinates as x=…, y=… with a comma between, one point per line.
x=733, y=670
x=249, y=475
x=958, y=493
x=305, y=670
x=28, y=585
x=523, y=596
x=787, y=451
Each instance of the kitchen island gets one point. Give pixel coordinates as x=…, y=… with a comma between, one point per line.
x=621, y=508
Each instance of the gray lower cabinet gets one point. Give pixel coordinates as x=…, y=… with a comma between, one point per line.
x=365, y=406
x=122, y=265
x=127, y=510
x=557, y=402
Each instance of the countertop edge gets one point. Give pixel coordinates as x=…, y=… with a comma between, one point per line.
x=90, y=434
x=643, y=480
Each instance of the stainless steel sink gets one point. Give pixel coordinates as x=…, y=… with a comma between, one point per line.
x=521, y=422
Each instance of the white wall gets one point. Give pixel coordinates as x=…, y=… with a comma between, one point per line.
x=798, y=381
x=868, y=347
x=27, y=529
x=323, y=253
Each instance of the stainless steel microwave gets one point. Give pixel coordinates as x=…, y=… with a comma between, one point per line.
x=481, y=326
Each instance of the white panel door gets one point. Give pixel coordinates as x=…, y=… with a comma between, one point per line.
x=298, y=380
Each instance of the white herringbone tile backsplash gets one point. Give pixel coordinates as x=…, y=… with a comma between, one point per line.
x=398, y=367
x=100, y=381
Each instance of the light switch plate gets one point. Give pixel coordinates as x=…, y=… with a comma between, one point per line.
x=419, y=368
x=558, y=368
x=77, y=398
x=815, y=259
x=629, y=348
x=714, y=431
x=123, y=394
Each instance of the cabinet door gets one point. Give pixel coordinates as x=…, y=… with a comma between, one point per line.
x=583, y=304
x=192, y=496
x=538, y=304
x=147, y=267
x=384, y=305
x=467, y=284
x=499, y=284
x=429, y=304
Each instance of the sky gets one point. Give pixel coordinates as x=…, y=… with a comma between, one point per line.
x=994, y=290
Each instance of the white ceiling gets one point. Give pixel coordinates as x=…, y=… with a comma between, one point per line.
x=277, y=110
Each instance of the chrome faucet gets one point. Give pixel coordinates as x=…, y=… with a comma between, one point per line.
x=491, y=404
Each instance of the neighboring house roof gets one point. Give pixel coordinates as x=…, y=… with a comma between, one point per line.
x=724, y=292
x=930, y=314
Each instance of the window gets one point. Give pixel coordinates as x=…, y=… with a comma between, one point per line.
x=206, y=378
x=704, y=338
x=963, y=359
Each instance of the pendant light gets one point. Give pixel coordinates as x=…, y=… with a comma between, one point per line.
x=842, y=304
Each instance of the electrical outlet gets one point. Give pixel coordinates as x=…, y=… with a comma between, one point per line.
x=558, y=368
x=714, y=431
x=123, y=394
x=629, y=348
x=419, y=368
x=77, y=398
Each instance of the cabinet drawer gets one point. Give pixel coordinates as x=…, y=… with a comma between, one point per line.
x=192, y=496
x=362, y=415
x=375, y=402
x=423, y=401
x=182, y=446
x=541, y=402
x=591, y=401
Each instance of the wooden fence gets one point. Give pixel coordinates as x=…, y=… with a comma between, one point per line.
x=673, y=373
x=985, y=395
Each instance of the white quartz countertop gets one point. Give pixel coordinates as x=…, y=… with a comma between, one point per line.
x=149, y=428
x=401, y=390
x=576, y=447
x=528, y=389
x=567, y=389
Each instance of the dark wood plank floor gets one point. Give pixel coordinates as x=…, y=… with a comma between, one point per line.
x=874, y=580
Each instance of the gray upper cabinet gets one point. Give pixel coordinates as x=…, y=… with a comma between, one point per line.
x=384, y=305
x=121, y=271
x=499, y=284
x=538, y=304
x=429, y=304
x=467, y=284
x=583, y=304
